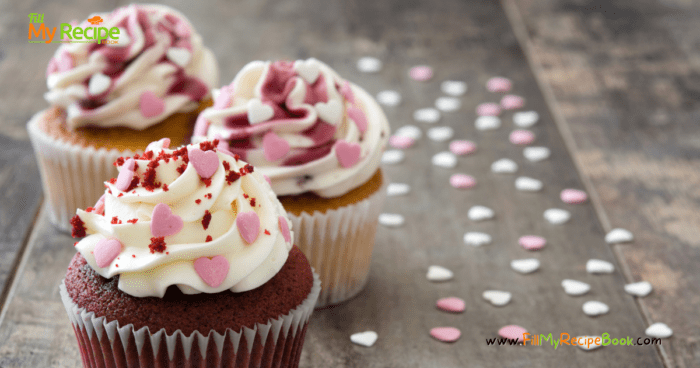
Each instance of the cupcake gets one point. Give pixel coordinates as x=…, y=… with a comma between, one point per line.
x=187, y=260
x=319, y=140
x=112, y=98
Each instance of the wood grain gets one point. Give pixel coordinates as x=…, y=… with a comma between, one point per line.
x=463, y=40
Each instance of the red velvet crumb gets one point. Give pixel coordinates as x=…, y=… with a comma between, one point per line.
x=78, y=227
x=207, y=196
x=133, y=221
x=227, y=166
x=119, y=195
x=267, y=232
x=249, y=168
x=75, y=244
x=207, y=182
x=206, y=219
x=197, y=201
x=236, y=157
x=252, y=202
x=165, y=187
x=119, y=162
x=245, y=195
x=232, y=177
x=113, y=181
x=181, y=169
x=209, y=238
x=116, y=220
x=89, y=209
x=208, y=146
x=157, y=244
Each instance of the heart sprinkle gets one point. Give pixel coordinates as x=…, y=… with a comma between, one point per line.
x=659, y=330
x=444, y=159
x=448, y=104
x=427, y=115
x=512, y=102
x=389, y=98
x=164, y=222
x=513, y=332
x=497, y=297
x=248, y=224
x=556, y=216
x=536, y=154
x=462, y=147
x=366, y=339
x=205, y=162
x=348, y=154
x=504, y=166
x=445, y=334
x=151, y=105
x=479, y=213
x=440, y=134
x=439, y=273
x=451, y=304
x=526, y=184
x=397, y=189
x=487, y=123
x=99, y=83
x=392, y=157
x=619, y=235
x=590, y=342
x=369, y=65
x=499, y=84
x=595, y=308
x=284, y=228
x=106, y=250
x=525, y=266
x=642, y=288
x=180, y=56
x=574, y=287
x=521, y=137
x=532, y=242
x=598, y=266
x=421, y=73
x=308, y=69
x=126, y=174
x=462, y=181
x=525, y=119
x=477, y=239
x=391, y=219
x=258, y=111
x=453, y=88
x=212, y=271
x=488, y=109
x=573, y=196
x=274, y=147
x=332, y=113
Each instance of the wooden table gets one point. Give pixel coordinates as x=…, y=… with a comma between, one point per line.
x=617, y=88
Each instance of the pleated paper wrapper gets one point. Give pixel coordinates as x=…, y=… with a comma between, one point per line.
x=72, y=176
x=339, y=245
x=277, y=343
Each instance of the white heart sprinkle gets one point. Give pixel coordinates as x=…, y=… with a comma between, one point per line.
x=525, y=119
x=123, y=39
x=642, y=288
x=391, y=219
x=557, y=216
x=477, y=239
x=440, y=134
x=426, y=115
x=179, y=55
x=619, y=235
x=389, y=98
x=660, y=330
x=410, y=131
x=397, y=189
x=392, y=157
x=504, y=166
x=574, y=287
x=497, y=297
x=589, y=342
x=308, y=69
x=487, y=122
x=527, y=265
x=453, y=88
x=479, y=213
x=595, y=308
x=448, y=103
x=367, y=338
x=99, y=83
x=369, y=64
x=536, y=154
x=526, y=184
x=599, y=266
x=439, y=273
x=331, y=112
x=445, y=159
x=259, y=112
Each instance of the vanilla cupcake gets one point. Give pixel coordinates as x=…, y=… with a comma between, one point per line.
x=188, y=261
x=112, y=98
x=319, y=139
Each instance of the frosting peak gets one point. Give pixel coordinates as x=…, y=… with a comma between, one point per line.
x=300, y=124
x=158, y=67
x=195, y=217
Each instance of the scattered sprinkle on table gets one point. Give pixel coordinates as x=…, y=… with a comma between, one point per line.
x=497, y=297
x=427, y=115
x=392, y=157
x=512, y=102
x=642, y=288
x=401, y=142
x=619, y=235
x=462, y=147
x=445, y=334
x=526, y=119
x=397, y=189
x=499, y=84
x=504, y=166
x=444, y=159
x=462, y=181
x=573, y=196
x=536, y=154
x=659, y=330
x=410, y=131
x=389, y=98
x=557, y=216
x=451, y=304
x=487, y=123
x=453, y=88
x=367, y=338
x=525, y=266
x=369, y=64
x=439, y=273
x=477, y=239
x=448, y=104
x=480, y=213
x=513, y=332
x=421, y=73
x=532, y=242
x=598, y=266
x=526, y=184
x=488, y=109
x=521, y=137
x=575, y=287
x=441, y=133
x=595, y=308
x=391, y=219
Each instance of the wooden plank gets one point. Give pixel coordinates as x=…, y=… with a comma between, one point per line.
x=631, y=102
x=468, y=41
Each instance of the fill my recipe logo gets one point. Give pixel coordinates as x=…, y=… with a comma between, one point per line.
x=70, y=33
x=588, y=342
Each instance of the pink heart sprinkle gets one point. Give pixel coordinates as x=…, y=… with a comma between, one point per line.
x=451, y=304
x=573, y=196
x=512, y=102
x=462, y=147
x=532, y=242
x=106, y=250
x=499, y=84
x=223, y=100
x=163, y=142
x=446, y=334
x=346, y=91
x=205, y=162
x=164, y=222
x=274, y=147
x=248, y=225
x=284, y=227
x=212, y=271
x=358, y=117
x=512, y=332
x=151, y=105
x=521, y=137
x=267, y=179
x=462, y=181
x=488, y=109
x=399, y=141
x=348, y=154
x=100, y=206
x=126, y=175
x=421, y=73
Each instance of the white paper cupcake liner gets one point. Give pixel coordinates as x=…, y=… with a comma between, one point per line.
x=277, y=343
x=339, y=245
x=72, y=176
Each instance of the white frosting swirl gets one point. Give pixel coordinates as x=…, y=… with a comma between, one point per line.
x=158, y=50
x=143, y=272
x=239, y=115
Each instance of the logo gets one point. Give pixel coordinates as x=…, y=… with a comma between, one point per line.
x=68, y=33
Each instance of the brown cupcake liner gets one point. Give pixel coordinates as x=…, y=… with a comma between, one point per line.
x=339, y=245
x=277, y=343
x=72, y=176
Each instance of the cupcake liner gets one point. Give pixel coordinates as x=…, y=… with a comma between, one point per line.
x=339, y=244
x=277, y=343
x=72, y=176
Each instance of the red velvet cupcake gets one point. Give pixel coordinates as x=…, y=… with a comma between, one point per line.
x=188, y=262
